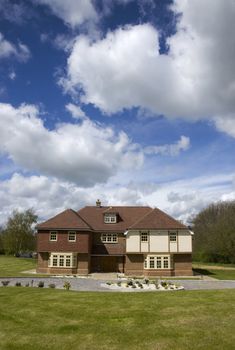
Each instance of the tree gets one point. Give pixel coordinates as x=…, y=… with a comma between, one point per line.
x=214, y=228
x=19, y=234
x=1, y=241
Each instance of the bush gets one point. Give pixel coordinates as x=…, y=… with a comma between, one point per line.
x=18, y=284
x=67, y=285
x=5, y=283
x=27, y=285
x=130, y=283
x=40, y=284
x=51, y=285
x=146, y=281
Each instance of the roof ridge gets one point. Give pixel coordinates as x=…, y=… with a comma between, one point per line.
x=143, y=217
x=170, y=217
x=82, y=219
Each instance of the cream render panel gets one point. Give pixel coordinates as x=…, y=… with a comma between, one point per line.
x=158, y=241
x=133, y=241
x=173, y=247
x=185, y=242
x=144, y=247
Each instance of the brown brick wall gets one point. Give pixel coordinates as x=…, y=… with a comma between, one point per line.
x=183, y=264
x=108, y=248
x=82, y=244
x=83, y=265
x=134, y=265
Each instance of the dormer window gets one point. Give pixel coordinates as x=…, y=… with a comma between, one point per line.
x=110, y=218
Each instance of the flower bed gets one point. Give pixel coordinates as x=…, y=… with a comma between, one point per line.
x=145, y=284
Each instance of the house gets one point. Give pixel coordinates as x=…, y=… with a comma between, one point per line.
x=135, y=240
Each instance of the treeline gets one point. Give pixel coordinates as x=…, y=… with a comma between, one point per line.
x=18, y=235
x=214, y=228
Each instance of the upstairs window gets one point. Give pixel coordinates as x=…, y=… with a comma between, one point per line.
x=72, y=236
x=53, y=236
x=173, y=237
x=144, y=237
x=110, y=218
x=109, y=238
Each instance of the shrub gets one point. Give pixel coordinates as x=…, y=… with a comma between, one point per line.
x=146, y=281
x=40, y=284
x=5, y=283
x=130, y=283
x=67, y=285
x=27, y=285
x=18, y=284
x=51, y=285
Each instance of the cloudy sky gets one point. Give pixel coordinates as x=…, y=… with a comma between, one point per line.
x=129, y=101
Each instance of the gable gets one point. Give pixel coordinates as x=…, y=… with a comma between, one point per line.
x=68, y=219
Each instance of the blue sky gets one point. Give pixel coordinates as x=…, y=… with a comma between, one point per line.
x=129, y=101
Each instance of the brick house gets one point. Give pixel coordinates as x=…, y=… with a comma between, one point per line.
x=137, y=241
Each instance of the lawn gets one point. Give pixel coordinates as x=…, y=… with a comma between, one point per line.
x=218, y=271
x=11, y=266
x=32, y=318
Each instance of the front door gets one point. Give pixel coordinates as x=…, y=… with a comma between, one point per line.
x=108, y=263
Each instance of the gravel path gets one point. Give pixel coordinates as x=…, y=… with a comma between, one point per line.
x=93, y=285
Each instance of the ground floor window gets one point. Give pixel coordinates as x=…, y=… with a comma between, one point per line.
x=62, y=260
x=157, y=262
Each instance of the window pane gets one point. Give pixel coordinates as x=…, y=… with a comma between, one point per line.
x=72, y=236
x=165, y=263
x=61, y=260
x=151, y=262
x=144, y=237
x=68, y=260
x=173, y=237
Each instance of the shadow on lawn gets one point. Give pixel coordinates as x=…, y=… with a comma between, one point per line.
x=203, y=272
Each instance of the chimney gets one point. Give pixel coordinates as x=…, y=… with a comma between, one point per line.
x=98, y=203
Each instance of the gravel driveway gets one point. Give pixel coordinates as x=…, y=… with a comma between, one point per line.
x=94, y=285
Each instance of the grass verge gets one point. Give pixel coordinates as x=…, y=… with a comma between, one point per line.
x=11, y=266
x=50, y=319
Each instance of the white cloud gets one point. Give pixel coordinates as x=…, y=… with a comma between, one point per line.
x=195, y=80
x=7, y=49
x=72, y=12
x=48, y=196
x=226, y=124
x=173, y=150
x=12, y=75
x=84, y=153
x=76, y=111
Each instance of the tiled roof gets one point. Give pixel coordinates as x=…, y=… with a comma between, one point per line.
x=157, y=219
x=127, y=216
x=92, y=218
x=68, y=219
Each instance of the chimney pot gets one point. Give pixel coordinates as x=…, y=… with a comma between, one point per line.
x=98, y=203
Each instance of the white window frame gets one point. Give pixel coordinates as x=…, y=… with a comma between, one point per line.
x=144, y=237
x=110, y=218
x=173, y=237
x=53, y=233
x=62, y=260
x=74, y=234
x=109, y=238
x=157, y=262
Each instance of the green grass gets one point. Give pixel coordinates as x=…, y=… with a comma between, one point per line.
x=56, y=319
x=11, y=266
x=218, y=274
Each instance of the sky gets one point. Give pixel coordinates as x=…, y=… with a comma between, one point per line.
x=128, y=101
